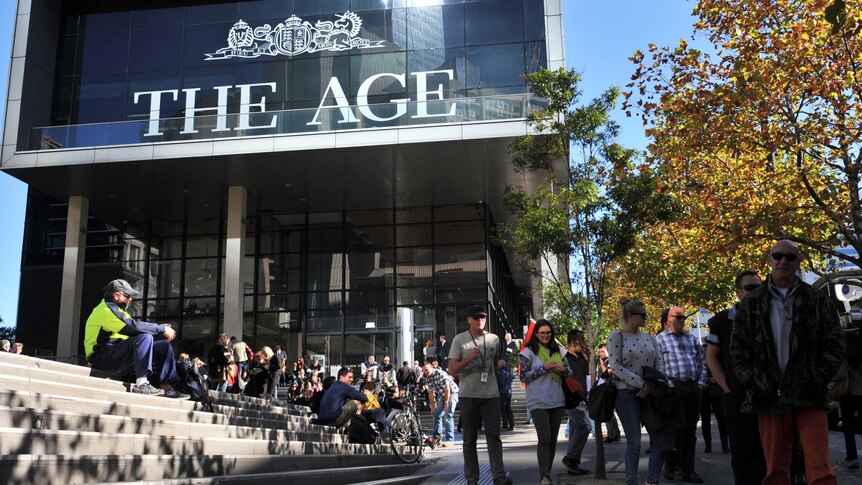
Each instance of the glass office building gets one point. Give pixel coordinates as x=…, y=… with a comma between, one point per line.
x=325, y=175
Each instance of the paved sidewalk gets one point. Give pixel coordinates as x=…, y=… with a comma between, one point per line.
x=519, y=454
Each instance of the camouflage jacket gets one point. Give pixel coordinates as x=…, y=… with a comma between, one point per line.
x=816, y=352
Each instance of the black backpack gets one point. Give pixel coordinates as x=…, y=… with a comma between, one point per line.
x=191, y=381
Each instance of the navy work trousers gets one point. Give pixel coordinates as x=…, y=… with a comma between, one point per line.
x=139, y=354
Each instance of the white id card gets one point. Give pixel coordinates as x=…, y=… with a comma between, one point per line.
x=484, y=377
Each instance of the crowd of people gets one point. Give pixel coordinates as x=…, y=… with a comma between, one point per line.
x=767, y=370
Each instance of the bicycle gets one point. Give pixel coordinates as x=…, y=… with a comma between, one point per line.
x=405, y=430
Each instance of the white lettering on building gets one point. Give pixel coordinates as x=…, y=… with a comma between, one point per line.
x=334, y=99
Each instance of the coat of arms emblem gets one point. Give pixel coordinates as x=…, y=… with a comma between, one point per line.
x=294, y=36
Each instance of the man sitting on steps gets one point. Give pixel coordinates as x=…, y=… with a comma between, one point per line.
x=116, y=343
x=341, y=401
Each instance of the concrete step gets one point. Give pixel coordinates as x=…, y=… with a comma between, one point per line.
x=403, y=480
x=385, y=474
x=151, y=409
x=18, y=441
x=55, y=383
x=62, y=470
x=50, y=419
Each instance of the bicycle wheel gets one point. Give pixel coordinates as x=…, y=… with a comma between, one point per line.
x=406, y=438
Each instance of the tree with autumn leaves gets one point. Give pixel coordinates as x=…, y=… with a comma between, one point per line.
x=758, y=135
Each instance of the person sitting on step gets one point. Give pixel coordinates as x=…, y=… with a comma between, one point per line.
x=341, y=401
x=116, y=343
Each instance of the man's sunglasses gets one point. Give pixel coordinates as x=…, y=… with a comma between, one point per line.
x=643, y=314
x=750, y=287
x=778, y=256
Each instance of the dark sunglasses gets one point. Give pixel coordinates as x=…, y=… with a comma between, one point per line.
x=750, y=287
x=680, y=317
x=779, y=255
x=643, y=314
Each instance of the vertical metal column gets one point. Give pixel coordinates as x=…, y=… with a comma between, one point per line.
x=68, y=331
x=234, y=287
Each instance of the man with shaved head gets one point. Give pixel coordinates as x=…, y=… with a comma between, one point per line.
x=685, y=366
x=787, y=354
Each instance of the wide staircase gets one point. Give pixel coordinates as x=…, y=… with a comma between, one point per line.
x=61, y=425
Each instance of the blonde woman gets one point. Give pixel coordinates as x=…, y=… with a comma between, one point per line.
x=629, y=351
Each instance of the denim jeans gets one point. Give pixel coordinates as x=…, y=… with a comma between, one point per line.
x=579, y=430
x=628, y=408
x=444, y=423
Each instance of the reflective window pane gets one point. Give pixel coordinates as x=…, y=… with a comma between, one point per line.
x=459, y=232
x=203, y=246
x=435, y=26
x=201, y=277
x=460, y=265
x=155, y=49
x=325, y=320
x=412, y=234
x=370, y=269
x=329, y=346
x=494, y=22
x=495, y=65
x=275, y=274
x=369, y=237
x=200, y=306
x=269, y=302
x=325, y=271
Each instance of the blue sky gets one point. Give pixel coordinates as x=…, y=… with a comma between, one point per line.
x=600, y=36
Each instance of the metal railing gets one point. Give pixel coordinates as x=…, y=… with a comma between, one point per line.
x=299, y=121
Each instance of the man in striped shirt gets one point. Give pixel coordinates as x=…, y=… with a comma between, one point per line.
x=685, y=366
x=443, y=398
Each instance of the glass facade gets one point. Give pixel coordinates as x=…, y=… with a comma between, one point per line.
x=334, y=282
x=110, y=50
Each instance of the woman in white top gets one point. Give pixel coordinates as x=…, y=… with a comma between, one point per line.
x=543, y=369
x=629, y=350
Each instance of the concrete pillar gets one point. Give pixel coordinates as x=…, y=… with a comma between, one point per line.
x=234, y=264
x=68, y=332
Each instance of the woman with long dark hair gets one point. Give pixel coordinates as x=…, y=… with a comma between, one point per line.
x=629, y=351
x=543, y=369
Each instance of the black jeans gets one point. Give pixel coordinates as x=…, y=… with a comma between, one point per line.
x=850, y=406
x=746, y=453
x=711, y=404
x=506, y=410
x=685, y=437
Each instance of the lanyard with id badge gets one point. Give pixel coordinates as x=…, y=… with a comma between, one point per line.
x=484, y=376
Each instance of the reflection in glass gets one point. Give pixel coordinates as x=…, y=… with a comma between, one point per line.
x=370, y=269
x=325, y=271
x=167, y=275
x=200, y=306
x=494, y=22
x=495, y=65
x=369, y=237
x=328, y=346
x=273, y=327
x=275, y=274
x=325, y=320
x=201, y=277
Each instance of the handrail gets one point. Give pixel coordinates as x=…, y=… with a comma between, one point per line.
x=396, y=114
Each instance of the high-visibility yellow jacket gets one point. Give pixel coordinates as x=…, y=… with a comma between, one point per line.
x=108, y=323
